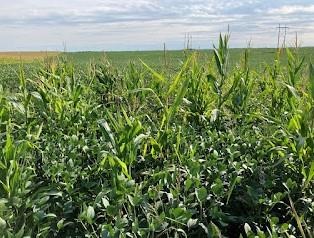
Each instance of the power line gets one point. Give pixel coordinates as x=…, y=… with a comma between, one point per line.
x=188, y=41
x=284, y=28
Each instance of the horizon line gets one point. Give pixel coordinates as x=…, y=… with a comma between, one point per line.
x=144, y=50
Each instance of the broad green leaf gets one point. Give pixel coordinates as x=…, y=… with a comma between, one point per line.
x=192, y=222
x=312, y=81
x=247, y=229
x=110, y=134
x=90, y=214
x=123, y=167
x=201, y=194
x=179, y=76
x=20, y=233
x=158, y=76
x=292, y=90
x=215, y=231
x=147, y=90
x=310, y=174
x=3, y=224
x=214, y=115
x=60, y=224
x=138, y=140
x=105, y=202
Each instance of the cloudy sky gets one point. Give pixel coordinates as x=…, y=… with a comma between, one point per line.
x=146, y=24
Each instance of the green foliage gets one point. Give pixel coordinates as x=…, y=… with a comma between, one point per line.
x=212, y=150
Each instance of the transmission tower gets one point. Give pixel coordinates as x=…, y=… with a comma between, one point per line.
x=284, y=28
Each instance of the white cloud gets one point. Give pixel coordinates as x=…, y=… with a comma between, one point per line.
x=146, y=24
x=293, y=9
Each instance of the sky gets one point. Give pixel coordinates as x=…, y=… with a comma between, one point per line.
x=118, y=25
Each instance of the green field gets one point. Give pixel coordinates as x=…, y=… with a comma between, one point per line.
x=258, y=57
x=170, y=62
x=195, y=144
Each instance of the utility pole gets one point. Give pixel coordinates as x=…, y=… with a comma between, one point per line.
x=191, y=46
x=279, y=27
x=188, y=41
x=284, y=39
x=64, y=46
x=285, y=28
x=296, y=40
x=165, y=56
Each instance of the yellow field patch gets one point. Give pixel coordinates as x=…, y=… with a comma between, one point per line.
x=15, y=57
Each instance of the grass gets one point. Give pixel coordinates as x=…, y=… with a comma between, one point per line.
x=216, y=148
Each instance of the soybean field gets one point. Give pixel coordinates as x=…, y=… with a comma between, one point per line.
x=199, y=143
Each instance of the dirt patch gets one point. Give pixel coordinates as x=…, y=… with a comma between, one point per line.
x=14, y=57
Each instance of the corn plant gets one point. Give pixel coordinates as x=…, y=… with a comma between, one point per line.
x=214, y=149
